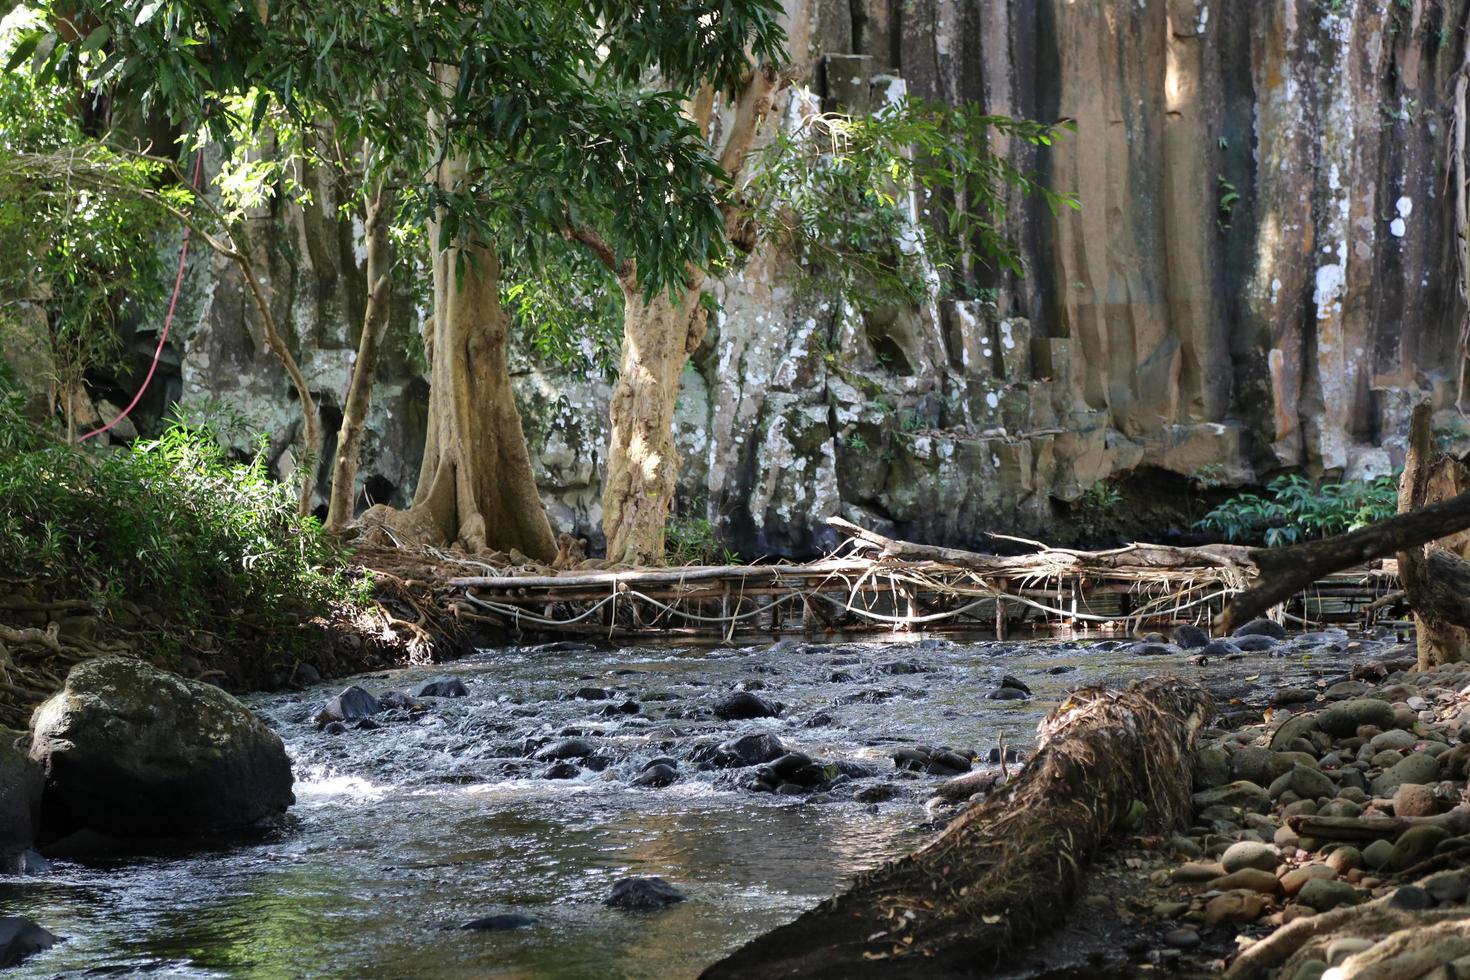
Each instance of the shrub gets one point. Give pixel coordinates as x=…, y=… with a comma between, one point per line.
x=170, y=524
x=1296, y=509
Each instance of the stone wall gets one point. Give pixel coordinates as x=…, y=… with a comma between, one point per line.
x=1262, y=276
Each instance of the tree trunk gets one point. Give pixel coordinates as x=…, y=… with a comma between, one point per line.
x=642, y=463
x=1006, y=870
x=341, y=503
x=476, y=489
x=1434, y=575
x=659, y=334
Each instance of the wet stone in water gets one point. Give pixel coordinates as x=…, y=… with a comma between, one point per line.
x=639, y=894
x=500, y=923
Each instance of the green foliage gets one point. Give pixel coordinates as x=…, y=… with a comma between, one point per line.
x=1101, y=497
x=82, y=256
x=171, y=524
x=1229, y=197
x=569, y=316
x=544, y=100
x=1297, y=510
x=692, y=540
x=851, y=194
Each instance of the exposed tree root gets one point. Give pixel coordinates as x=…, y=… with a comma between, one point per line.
x=1008, y=868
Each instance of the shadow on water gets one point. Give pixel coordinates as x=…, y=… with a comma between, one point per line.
x=435, y=819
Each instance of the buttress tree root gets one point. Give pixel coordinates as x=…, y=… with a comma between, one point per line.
x=1006, y=870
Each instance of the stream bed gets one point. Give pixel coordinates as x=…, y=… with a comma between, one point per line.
x=402, y=832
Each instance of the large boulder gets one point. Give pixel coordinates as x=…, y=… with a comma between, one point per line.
x=21, y=938
x=20, y=796
x=131, y=750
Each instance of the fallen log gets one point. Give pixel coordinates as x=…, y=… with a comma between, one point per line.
x=1456, y=821
x=1283, y=572
x=1161, y=557
x=1006, y=870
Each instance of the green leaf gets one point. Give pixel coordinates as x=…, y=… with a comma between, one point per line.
x=96, y=39
x=146, y=12
x=22, y=50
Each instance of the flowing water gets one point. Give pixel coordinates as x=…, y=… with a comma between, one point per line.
x=441, y=817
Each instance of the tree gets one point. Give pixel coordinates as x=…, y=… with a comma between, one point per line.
x=839, y=193
x=505, y=124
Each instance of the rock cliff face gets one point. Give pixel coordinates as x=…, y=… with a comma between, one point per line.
x=1263, y=274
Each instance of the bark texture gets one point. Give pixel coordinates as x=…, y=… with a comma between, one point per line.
x=659, y=335
x=476, y=490
x=1435, y=576
x=1006, y=870
x=341, y=503
x=642, y=462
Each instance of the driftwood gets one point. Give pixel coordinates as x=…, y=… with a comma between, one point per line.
x=1006, y=870
x=1286, y=571
x=1049, y=560
x=1456, y=821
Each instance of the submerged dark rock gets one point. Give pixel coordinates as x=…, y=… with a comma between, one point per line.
x=742, y=705
x=353, y=704
x=563, y=770
x=20, y=939
x=749, y=750
x=443, y=687
x=640, y=894
x=131, y=750
x=503, y=922
x=1190, y=637
x=1262, y=627
x=397, y=700
x=567, y=748
x=656, y=776
x=593, y=694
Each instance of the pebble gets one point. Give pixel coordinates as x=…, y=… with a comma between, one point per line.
x=1324, y=894
x=1414, y=845
x=1250, y=879
x=1181, y=938
x=1293, y=880
x=1248, y=854
x=1235, y=908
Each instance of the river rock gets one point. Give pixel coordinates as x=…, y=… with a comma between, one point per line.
x=1007, y=694
x=656, y=776
x=742, y=705
x=1246, y=795
x=1343, y=718
x=1293, y=880
x=20, y=938
x=1324, y=894
x=639, y=894
x=1395, y=739
x=1183, y=938
x=394, y=701
x=504, y=922
x=1261, y=627
x=947, y=763
x=1191, y=637
x=878, y=793
x=562, y=770
x=1414, y=800
x=593, y=694
x=132, y=750
x=1414, y=845
x=1256, y=644
x=21, y=783
x=1249, y=879
x=443, y=687
x=1257, y=765
x=1235, y=908
x=1378, y=854
x=1293, y=728
x=566, y=748
x=749, y=750
x=1211, y=768
x=1219, y=648
x=1305, y=782
x=1417, y=768
x=353, y=704
x=1249, y=854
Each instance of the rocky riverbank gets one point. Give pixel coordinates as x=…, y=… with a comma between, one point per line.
x=1341, y=807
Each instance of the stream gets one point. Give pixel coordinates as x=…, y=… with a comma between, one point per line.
x=440, y=817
